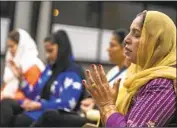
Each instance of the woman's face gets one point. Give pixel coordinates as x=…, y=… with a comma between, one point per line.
x=51, y=52
x=12, y=46
x=132, y=40
x=115, y=50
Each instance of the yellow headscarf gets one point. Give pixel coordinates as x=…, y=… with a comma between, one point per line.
x=156, y=53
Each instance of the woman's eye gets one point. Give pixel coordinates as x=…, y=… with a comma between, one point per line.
x=137, y=35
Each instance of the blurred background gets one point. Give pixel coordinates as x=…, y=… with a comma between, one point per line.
x=88, y=23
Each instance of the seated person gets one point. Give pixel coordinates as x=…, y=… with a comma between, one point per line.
x=148, y=97
x=18, y=68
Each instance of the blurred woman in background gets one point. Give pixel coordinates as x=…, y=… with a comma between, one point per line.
x=21, y=63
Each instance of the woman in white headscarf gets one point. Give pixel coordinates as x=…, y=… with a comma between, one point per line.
x=21, y=65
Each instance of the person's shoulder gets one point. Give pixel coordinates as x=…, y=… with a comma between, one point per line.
x=114, y=69
x=157, y=85
x=159, y=82
x=47, y=69
x=70, y=74
x=112, y=72
x=76, y=68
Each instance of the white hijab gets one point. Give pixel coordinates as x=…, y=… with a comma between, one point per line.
x=26, y=56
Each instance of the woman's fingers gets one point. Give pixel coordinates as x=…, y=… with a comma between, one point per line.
x=96, y=83
x=102, y=74
x=105, y=85
x=85, y=84
x=101, y=88
x=89, y=78
x=96, y=75
x=12, y=63
x=89, y=87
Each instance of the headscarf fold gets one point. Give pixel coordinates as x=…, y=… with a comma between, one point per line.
x=155, y=57
x=26, y=56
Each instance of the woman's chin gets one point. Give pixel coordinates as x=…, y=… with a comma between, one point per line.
x=129, y=59
x=51, y=62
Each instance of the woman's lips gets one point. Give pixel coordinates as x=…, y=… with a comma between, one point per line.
x=127, y=51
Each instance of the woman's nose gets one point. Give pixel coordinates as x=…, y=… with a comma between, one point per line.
x=127, y=40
